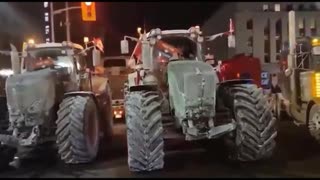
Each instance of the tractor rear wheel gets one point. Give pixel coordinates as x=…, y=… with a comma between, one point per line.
x=144, y=131
x=77, y=130
x=254, y=138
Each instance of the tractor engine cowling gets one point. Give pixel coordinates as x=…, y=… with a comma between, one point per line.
x=31, y=99
x=192, y=89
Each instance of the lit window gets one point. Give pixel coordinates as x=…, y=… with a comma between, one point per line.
x=47, y=39
x=313, y=23
x=301, y=24
x=46, y=14
x=277, y=7
x=265, y=7
x=46, y=19
x=45, y=4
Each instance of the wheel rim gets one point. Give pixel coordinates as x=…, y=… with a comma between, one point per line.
x=92, y=129
x=314, y=125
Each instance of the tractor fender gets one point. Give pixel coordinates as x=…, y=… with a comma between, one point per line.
x=148, y=82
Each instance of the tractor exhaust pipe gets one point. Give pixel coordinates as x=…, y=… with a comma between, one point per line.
x=292, y=64
x=15, y=61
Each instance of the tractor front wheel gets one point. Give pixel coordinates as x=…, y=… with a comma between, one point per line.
x=144, y=131
x=77, y=130
x=254, y=138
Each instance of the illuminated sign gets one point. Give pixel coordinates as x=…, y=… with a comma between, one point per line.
x=47, y=31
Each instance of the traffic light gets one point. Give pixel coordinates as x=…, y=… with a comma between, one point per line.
x=88, y=10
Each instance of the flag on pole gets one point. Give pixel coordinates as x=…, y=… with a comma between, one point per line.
x=98, y=43
x=231, y=26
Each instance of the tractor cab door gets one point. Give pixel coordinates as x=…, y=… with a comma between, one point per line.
x=82, y=73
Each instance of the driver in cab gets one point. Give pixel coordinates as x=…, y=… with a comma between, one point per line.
x=33, y=63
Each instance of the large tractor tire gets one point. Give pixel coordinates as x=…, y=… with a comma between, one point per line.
x=254, y=138
x=78, y=130
x=144, y=131
x=314, y=122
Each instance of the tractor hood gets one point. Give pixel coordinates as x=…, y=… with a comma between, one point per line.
x=30, y=96
x=192, y=88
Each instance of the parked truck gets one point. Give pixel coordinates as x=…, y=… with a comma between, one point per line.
x=299, y=80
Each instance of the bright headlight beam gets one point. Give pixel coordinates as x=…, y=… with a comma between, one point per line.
x=6, y=72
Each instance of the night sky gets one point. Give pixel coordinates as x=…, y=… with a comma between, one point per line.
x=114, y=20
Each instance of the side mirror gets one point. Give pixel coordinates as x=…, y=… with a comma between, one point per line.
x=231, y=41
x=15, y=61
x=96, y=56
x=124, y=47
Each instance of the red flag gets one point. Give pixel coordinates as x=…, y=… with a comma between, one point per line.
x=137, y=52
x=98, y=43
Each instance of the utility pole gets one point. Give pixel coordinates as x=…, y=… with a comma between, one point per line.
x=67, y=23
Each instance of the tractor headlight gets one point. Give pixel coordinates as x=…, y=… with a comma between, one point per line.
x=317, y=85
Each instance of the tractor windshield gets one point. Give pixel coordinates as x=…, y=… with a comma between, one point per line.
x=41, y=58
x=175, y=47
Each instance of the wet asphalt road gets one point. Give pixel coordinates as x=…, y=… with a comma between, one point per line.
x=297, y=155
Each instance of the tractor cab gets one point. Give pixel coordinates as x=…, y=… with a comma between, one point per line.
x=171, y=45
x=57, y=56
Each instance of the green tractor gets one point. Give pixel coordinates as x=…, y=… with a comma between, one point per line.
x=55, y=101
x=173, y=93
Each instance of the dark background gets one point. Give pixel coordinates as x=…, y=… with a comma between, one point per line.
x=22, y=20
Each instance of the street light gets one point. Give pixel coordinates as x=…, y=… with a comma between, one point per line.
x=85, y=39
x=58, y=11
x=139, y=30
x=90, y=6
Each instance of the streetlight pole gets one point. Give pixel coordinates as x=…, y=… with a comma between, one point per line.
x=52, y=22
x=67, y=23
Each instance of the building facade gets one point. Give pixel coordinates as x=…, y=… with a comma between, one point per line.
x=47, y=22
x=261, y=28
